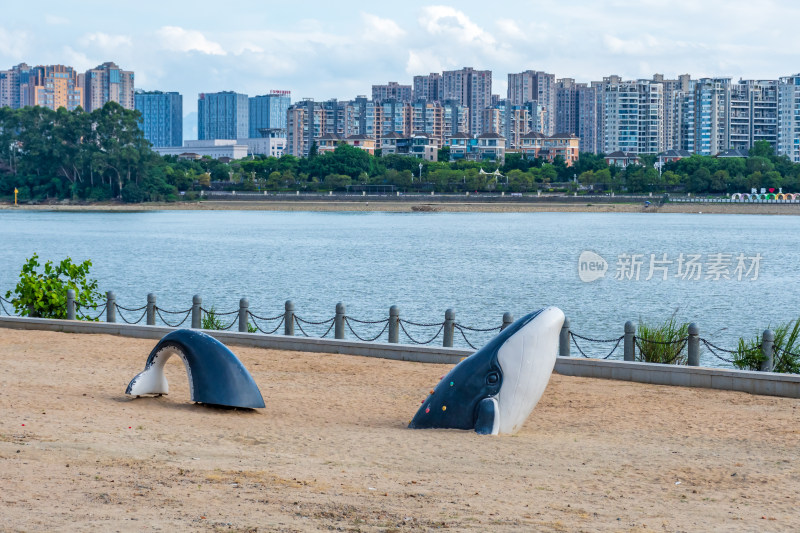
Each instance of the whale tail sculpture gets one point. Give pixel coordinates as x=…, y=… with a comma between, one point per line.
x=216, y=376
x=495, y=389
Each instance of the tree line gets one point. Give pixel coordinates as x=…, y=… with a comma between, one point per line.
x=103, y=155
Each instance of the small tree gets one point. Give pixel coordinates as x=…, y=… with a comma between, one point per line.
x=44, y=295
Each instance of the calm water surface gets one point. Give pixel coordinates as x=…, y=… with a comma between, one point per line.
x=480, y=264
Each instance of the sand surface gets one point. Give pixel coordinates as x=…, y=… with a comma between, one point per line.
x=425, y=204
x=331, y=451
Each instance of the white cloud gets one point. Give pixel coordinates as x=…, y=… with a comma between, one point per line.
x=246, y=47
x=637, y=46
x=54, y=20
x=13, y=44
x=451, y=23
x=423, y=61
x=380, y=29
x=105, y=41
x=509, y=28
x=178, y=39
x=78, y=60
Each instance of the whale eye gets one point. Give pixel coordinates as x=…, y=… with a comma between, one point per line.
x=492, y=378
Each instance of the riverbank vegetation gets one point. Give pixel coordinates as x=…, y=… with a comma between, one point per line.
x=56, y=155
x=43, y=294
x=785, y=350
x=663, y=343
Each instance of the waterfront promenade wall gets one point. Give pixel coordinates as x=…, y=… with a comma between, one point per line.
x=765, y=383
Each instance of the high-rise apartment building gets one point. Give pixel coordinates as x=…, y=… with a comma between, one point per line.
x=307, y=121
x=50, y=86
x=567, y=105
x=685, y=111
x=223, y=115
x=108, y=83
x=390, y=117
x=470, y=88
x=633, y=117
x=391, y=91
x=303, y=125
x=267, y=113
x=428, y=87
x=789, y=117
x=537, y=86
x=336, y=115
x=162, y=117
x=512, y=122
x=673, y=91
x=426, y=117
x=712, y=105
x=456, y=120
x=621, y=117
x=588, y=118
x=753, y=113
x=7, y=89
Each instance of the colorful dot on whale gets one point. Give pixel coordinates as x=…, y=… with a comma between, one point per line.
x=427, y=410
x=444, y=408
x=431, y=391
x=451, y=383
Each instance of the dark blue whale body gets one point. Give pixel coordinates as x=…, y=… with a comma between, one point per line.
x=463, y=398
x=216, y=375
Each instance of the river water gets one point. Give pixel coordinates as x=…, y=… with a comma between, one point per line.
x=480, y=264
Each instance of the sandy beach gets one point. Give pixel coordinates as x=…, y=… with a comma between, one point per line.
x=424, y=205
x=331, y=451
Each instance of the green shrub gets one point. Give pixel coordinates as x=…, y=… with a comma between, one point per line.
x=44, y=294
x=133, y=194
x=210, y=320
x=667, y=342
x=749, y=355
x=99, y=194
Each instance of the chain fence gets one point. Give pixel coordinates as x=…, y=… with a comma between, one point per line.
x=385, y=323
x=3, y=301
x=616, y=342
x=402, y=323
x=676, y=355
x=254, y=318
x=784, y=360
x=715, y=350
x=79, y=311
x=120, y=308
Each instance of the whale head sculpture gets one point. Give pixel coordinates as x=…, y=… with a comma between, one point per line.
x=495, y=389
x=216, y=376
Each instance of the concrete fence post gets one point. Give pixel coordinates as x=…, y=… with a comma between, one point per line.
x=449, y=328
x=508, y=319
x=693, y=345
x=630, y=342
x=394, y=324
x=288, y=319
x=563, y=339
x=244, y=314
x=151, y=309
x=70, y=304
x=338, y=322
x=197, y=312
x=111, y=307
x=767, y=347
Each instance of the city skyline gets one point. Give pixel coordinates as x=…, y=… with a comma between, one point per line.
x=340, y=51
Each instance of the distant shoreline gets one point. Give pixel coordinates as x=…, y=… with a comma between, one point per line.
x=422, y=205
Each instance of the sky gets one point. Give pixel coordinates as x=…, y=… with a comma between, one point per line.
x=326, y=49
